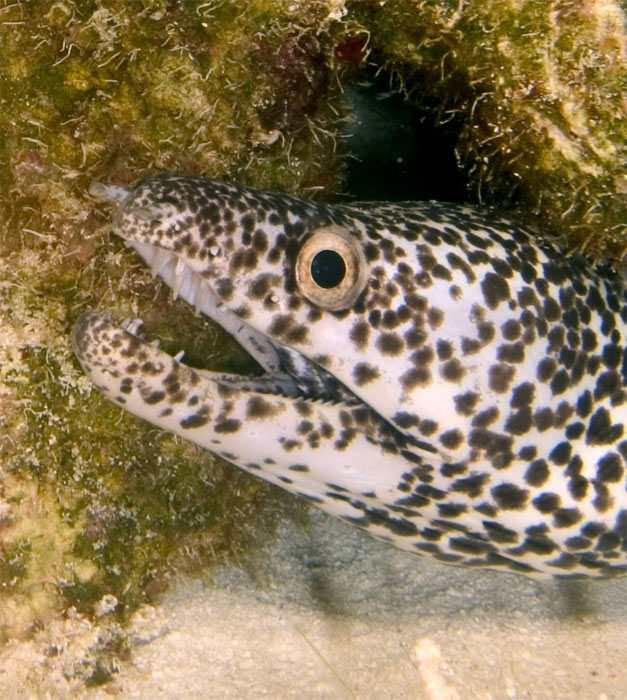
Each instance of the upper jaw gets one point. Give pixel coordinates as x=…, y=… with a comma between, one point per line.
x=288, y=372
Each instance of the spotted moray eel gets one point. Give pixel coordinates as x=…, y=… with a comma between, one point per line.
x=433, y=375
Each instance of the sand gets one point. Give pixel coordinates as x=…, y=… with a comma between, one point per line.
x=327, y=612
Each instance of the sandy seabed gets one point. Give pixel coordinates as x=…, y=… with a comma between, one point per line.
x=329, y=613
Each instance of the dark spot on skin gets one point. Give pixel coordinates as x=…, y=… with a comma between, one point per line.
x=258, y=407
x=150, y=369
x=303, y=408
x=260, y=241
x=560, y=382
x=327, y=431
x=543, y=419
x=511, y=330
x=154, y=397
x=584, y=405
x=486, y=332
x=495, y=290
x=456, y=262
x=415, y=337
x=441, y=272
x=427, y=427
x=453, y=370
x=444, y=349
x=610, y=468
x=470, y=546
x=500, y=377
x=422, y=357
x=297, y=334
x=546, y=502
x=456, y=292
x=577, y=543
x=537, y=473
x=259, y=287
x=514, y=353
x=510, y=497
x=289, y=445
x=224, y=288
x=197, y=420
x=452, y=439
x=419, y=376
x=405, y=420
x=546, y=369
x=485, y=418
x=414, y=501
x=455, y=469
x=298, y=468
x=359, y=334
x=499, y=533
x=603, y=500
x=487, y=509
x=363, y=373
x=390, y=344
x=231, y=425
x=471, y=485
x=417, y=302
x=304, y=427
x=552, y=310
x=560, y=454
x=470, y=346
x=435, y=318
x=522, y=395
x=280, y=324
x=314, y=315
x=528, y=453
x=601, y=431
x=390, y=319
x=465, y=403
x=519, y=422
x=566, y=517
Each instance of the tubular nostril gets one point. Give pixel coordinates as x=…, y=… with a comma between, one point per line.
x=111, y=192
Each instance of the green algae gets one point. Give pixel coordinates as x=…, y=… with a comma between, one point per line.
x=94, y=504
x=539, y=92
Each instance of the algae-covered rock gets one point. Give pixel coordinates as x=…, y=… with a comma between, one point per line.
x=538, y=89
x=95, y=505
x=97, y=509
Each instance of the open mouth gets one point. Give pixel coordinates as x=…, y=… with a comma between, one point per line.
x=288, y=372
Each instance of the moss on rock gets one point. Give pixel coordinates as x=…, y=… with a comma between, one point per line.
x=96, y=505
x=539, y=90
x=97, y=508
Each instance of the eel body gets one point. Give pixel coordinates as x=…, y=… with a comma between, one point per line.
x=433, y=374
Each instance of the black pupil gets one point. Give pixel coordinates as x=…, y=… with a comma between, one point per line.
x=328, y=269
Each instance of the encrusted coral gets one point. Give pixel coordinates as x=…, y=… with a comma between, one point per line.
x=538, y=89
x=94, y=503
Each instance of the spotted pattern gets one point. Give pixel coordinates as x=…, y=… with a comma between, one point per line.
x=470, y=406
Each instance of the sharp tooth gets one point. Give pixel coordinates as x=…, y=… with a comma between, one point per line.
x=132, y=326
x=112, y=192
x=178, y=283
x=196, y=296
x=180, y=267
x=179, y=356
x=160, y=260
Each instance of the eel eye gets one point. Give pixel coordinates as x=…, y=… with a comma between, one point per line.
x=331, y=269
